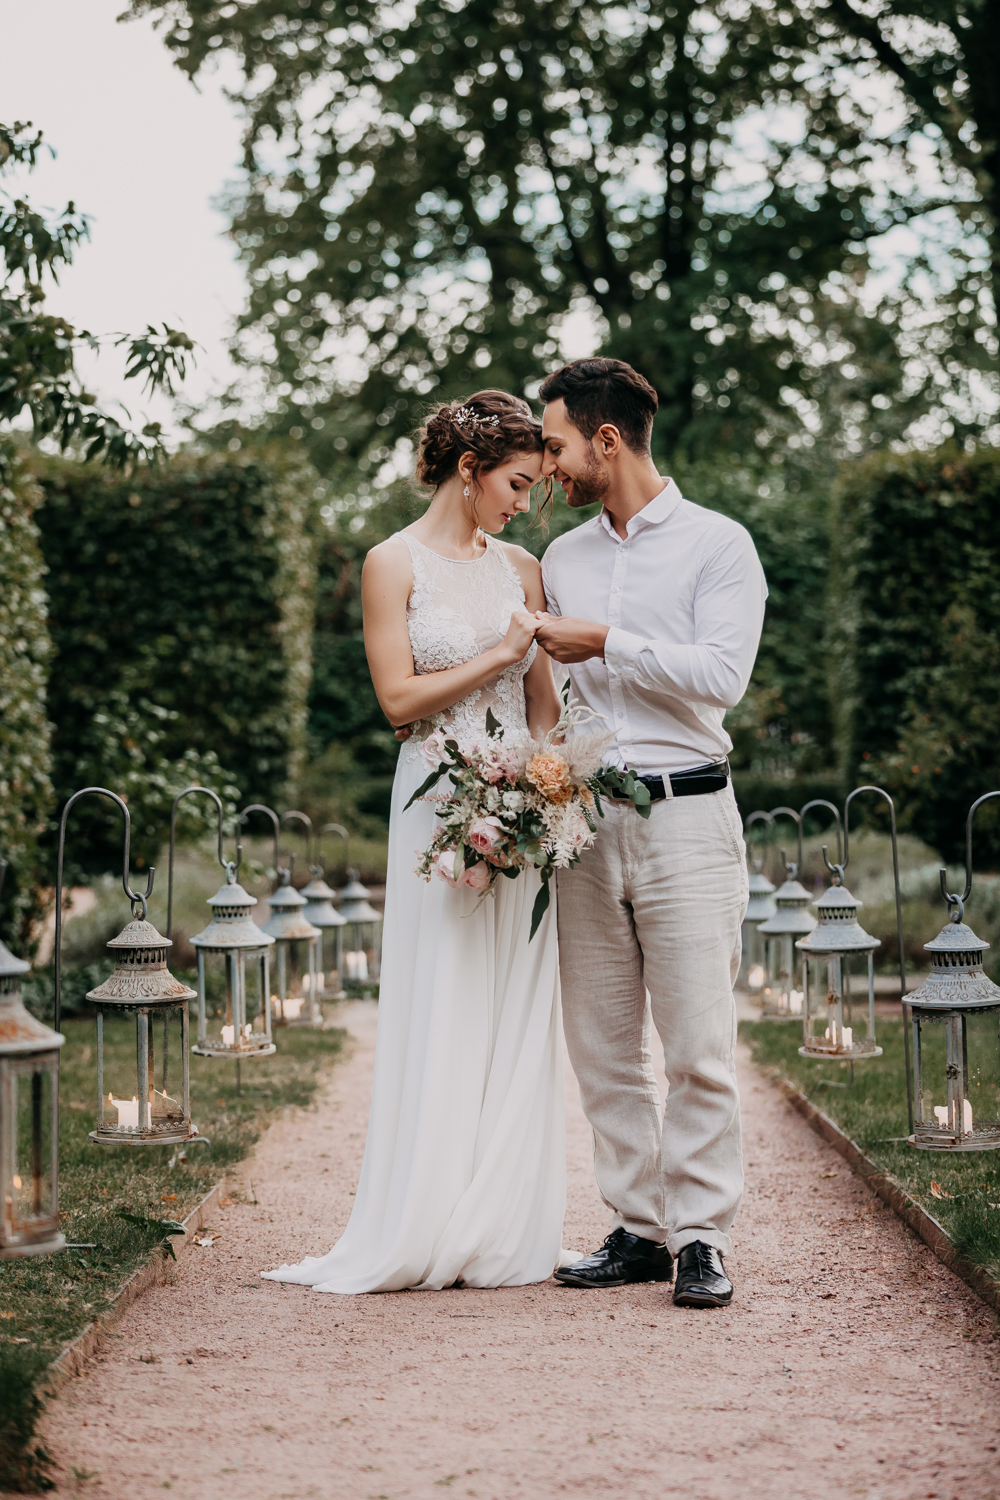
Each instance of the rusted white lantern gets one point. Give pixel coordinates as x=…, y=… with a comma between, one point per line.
x=363, y=959
x=838, y=1008
x=131, y=1110
x=29, y=1122
x=233, y=939
x=785, y=986
x=760, y=906
x=296, y=1001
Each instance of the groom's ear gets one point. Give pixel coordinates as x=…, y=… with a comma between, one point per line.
x=607, y=440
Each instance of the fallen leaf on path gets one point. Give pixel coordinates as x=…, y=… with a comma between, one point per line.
x=169, y=1198
x=828, y=1174
x=206, y=1239
x=825, y=1296
x=937, y=1191
x=19, y=1341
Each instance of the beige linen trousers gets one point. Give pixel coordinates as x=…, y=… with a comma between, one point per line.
x=656, y=906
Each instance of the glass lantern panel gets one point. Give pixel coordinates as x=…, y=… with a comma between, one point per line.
x=783, y=981
x=363, y=953
x=958, y=1073
x=753, y=962
x=231, y=998
x=30, y=1182
x=142, y=1070
x=837, y=1001
x=295, y=986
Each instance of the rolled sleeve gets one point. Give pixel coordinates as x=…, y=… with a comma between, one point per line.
x=549, y=585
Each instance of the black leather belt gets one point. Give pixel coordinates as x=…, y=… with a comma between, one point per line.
x=693, y=783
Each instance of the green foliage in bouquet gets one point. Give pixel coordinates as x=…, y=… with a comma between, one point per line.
x=918, y=655
x=181, y=611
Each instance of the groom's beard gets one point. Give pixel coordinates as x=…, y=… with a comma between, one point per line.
x=589, y=487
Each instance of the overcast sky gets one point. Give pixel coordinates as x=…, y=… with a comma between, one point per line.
x=143, y=152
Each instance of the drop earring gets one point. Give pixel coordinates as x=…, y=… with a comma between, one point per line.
x=465, y=492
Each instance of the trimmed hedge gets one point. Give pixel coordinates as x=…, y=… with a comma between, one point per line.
x=917, y=637
x=25, y=786
x=181, y=611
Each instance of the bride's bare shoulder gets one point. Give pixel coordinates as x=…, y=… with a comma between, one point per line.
x=389, y=565
x=527, y=565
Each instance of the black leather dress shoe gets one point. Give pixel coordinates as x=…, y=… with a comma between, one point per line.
x=623, y=1258
x=701, y=1281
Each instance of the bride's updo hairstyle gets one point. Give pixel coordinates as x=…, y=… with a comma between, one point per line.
x=491, y=425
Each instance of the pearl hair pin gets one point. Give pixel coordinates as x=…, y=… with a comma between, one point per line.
x=466, y=417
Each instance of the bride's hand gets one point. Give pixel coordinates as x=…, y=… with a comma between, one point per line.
x=520, y=635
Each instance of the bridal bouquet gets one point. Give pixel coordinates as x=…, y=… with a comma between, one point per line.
x=530, y=804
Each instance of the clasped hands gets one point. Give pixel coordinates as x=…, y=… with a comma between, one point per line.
x=565, y=639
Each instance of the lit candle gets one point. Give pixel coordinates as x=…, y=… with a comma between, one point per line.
x=795, y=1002
x=846, y=1037
x=229, y=1034
x=967, y=1117
x=755, y=977
x=941, y=1115
x=292, y=1008
x=357, y=965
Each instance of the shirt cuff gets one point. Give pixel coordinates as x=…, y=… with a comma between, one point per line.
x=621, y=652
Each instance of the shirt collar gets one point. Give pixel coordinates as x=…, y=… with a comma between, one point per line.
x=659, y=509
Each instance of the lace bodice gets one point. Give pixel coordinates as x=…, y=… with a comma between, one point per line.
x=458, y=610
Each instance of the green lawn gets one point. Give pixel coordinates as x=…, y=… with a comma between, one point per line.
x=46, y=1302
x=872, y=1111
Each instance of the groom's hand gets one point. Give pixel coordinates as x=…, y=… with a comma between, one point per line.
x=570, y=640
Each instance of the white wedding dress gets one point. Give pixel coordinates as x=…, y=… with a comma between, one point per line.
x=464, y=1168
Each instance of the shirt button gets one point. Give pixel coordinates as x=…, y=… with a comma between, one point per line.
x=620, y=714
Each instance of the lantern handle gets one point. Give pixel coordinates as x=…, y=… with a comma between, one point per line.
x=332, y=828
x=276, y=824
x=821, y=802
x=789, y=812
x=306, y=821
x=950, y=898
x=133, y=896
x=880, y=792
x=227, y=865
x=757, y=817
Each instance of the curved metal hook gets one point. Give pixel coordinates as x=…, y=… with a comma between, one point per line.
x=140, y=897
x=268, y=812
x=305, y=819
x=789, y=812
x=226, y=864
x=943, y=874
x=881, y=792
x=332, y=828
x=758, y=816
x=821, y=802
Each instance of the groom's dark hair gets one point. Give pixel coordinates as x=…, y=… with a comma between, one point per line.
x=605, y=390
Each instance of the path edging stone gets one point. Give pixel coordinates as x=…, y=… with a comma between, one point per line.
x=72, y=1359
x=933, y=1234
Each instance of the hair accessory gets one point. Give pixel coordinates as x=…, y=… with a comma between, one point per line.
x=464, y=416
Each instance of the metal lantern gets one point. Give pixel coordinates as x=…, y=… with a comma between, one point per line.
x=955, y=1029
x=141, y=988
x=784, y=988
x=233, y=935
x=362, y=961
x=760, y=907
x=321, y=912
x=297, y=998
x=29, y=1121
x=839, y=972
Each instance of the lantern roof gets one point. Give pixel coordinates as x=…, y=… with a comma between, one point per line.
x=839, y=930
x=232, y=926
x=759, y=884
x=320, y=910
x=286, y=897
x=20, y=1031
x=141, y=976
x=957, y=979
x=287, y=922
x=9, y=965
x=759, y=908
x=791, y=918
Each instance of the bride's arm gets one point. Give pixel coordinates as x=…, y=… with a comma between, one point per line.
x=386, y=582
x=541, y=701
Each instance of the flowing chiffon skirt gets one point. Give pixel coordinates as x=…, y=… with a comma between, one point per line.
x=464, y=1168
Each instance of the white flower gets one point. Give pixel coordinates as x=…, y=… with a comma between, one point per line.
x=513, y=802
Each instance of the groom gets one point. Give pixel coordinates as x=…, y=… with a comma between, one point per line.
x=656, y=605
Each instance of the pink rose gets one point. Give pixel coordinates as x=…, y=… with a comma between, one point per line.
x=444, y=865
x=476, y=877
x=432, y=747
x=485, y=834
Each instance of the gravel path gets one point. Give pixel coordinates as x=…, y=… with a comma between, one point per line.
x=851, y=1364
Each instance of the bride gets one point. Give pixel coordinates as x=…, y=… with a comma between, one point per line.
x=463, y=1179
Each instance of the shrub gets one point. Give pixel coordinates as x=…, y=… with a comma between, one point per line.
x=25, y=787
x=181, y=605
x=918, y=659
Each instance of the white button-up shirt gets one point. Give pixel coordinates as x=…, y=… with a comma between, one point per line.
x=683, y=593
